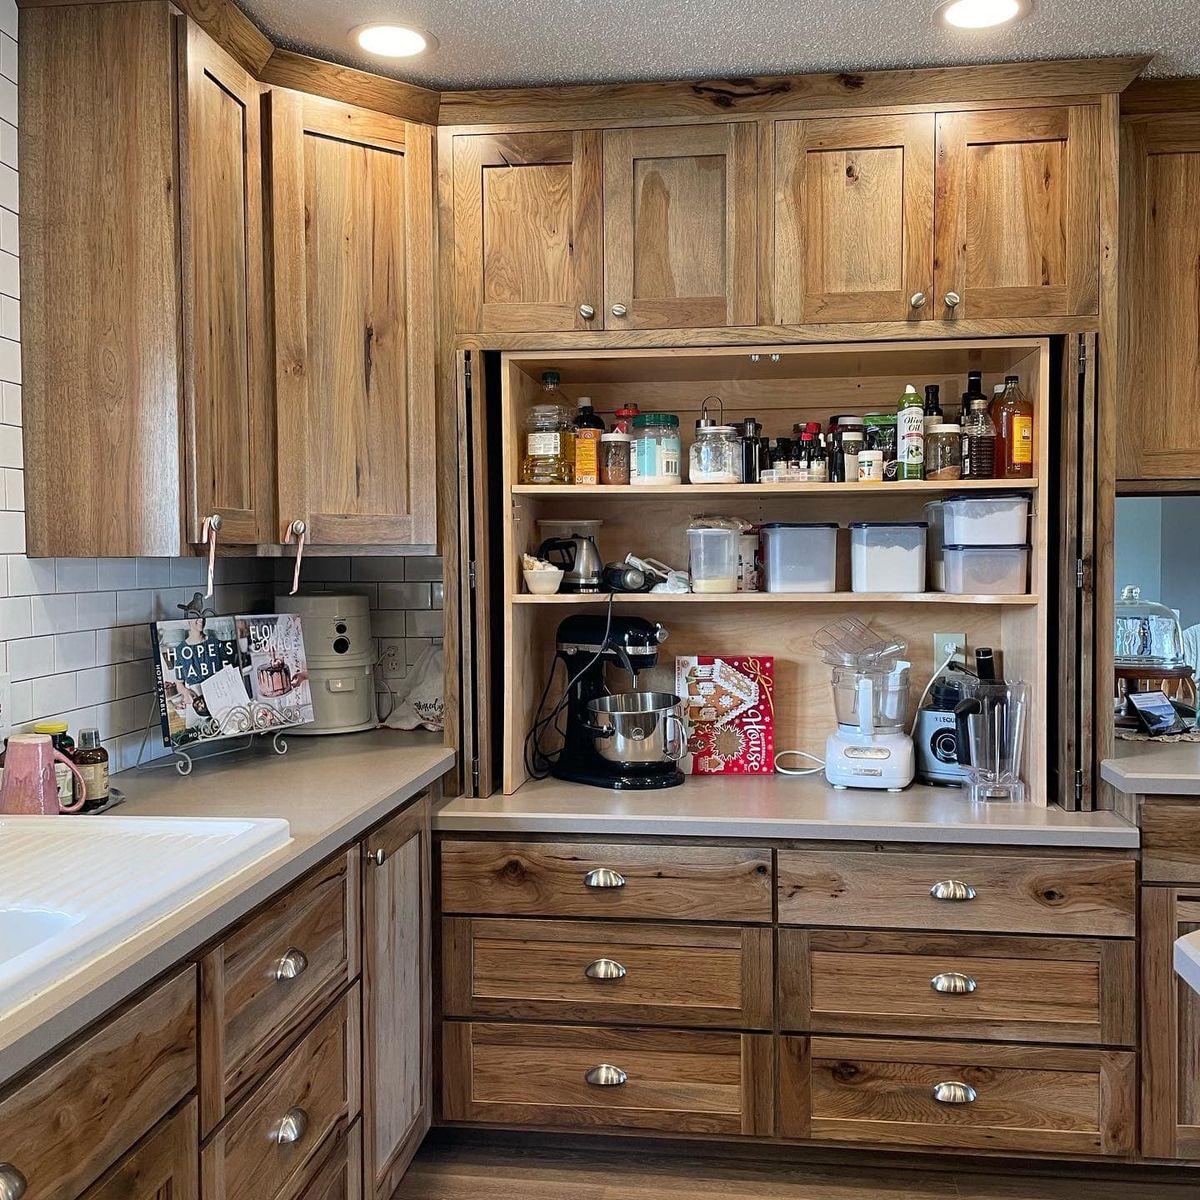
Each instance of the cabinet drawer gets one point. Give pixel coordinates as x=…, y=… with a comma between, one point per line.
x=1170, y=839
x=957, y=985
x=555, y=879
x=670, y=1081
x=271, y=1141
x=1089, y=896
x=73, y=1120
x=271, y=976
x=991, y=1097
x=339, y=1176
x=602, y=971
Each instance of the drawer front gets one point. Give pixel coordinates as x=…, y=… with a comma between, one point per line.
x=964, y=1095
x=683, y=1082
x=1089, y=896
x=271, y=976
x=958, y=985
x=74, y=1119
x=339, y=1176
x=1170, y=839
x=607, y=972
x=271, y=1142
x=554, y=879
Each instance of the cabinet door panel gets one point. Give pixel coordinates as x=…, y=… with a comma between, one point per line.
x=680, y=221
x=853, y=219
x=166, y=1166
x=527, y=231
x=353, y=245
x=1017, y=213
x=230, y=442
x=1160, y=298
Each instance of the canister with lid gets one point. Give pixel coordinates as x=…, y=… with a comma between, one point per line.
x=656, y=450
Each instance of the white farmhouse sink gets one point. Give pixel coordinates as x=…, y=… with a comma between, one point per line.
x=74, y=888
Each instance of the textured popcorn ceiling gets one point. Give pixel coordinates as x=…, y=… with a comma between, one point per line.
x=491, y=43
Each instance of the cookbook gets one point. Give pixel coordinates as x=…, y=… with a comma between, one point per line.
x=728, y=712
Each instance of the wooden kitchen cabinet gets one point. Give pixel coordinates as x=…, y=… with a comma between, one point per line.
x=397, y=1001
x=854, y=219
x=1017, y=213
x=527, y=236
x=165, y=1166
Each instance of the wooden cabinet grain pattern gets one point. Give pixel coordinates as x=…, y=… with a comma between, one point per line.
x=853, y=219
x=1160, y=298
x=397, y=1001
x=165, y=1166
x=527, y=237
x=228, y=426
x=339, y=1177
x=352, y=255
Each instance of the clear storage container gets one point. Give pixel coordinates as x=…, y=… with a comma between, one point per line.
x=987, y=570
x=800, y=557
x=995, y=520
x=713, y=559
x=935, y=516
x=887, y=556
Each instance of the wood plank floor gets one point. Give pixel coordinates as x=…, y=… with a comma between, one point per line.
x=487, y=1172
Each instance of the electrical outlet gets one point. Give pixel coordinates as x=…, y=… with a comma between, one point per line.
x=392, y=662
x=5, y=705
x=946, y=645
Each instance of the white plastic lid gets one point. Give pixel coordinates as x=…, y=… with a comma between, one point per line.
x=946, y=427
x=872, y=455
x=616, y=436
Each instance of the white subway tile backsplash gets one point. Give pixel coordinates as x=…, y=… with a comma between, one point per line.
x=11, y=451
x=134, y=608
x=8, y=17
x=10, y=359
x=16, y=620
x=75, y=575
x=97, y=685
x=13, y=490
x=8, y=56
x=10, y=283
x=75, y=651
x=122, y=643
x=54, y=614
x=53, y=694
x=8, y=100
x=22, y=702
x=30, y=657
x=116, y=574
x=10, y=318
x=12, y=533
x=9, y=193
x=30, y=576
x=10, y=393
x=97, y=609
x=153, y=572
x=189, y=572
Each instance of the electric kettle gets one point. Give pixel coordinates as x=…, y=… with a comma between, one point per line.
x=582, y=566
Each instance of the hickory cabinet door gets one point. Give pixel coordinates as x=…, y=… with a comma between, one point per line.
x=229, y=442
x=527, y=239
x=352, y=225
x=680, y=226
x=854, y=219
x=1017, y=213
x=164, y=1166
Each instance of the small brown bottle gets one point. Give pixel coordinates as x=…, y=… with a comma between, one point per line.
x=92, y=760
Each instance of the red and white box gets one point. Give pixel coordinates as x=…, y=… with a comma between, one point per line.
x=728, y=712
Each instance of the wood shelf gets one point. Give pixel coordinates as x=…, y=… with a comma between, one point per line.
x=569, y=598
x=684, y=490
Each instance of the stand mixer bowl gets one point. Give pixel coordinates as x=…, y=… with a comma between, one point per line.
x=637, y=728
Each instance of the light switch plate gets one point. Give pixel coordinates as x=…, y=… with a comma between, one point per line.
x=5, y=705
x=945, y=644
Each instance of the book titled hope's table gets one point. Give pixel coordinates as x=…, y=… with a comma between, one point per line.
x=728, y=712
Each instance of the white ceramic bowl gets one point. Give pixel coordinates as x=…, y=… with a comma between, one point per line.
x=543, y=582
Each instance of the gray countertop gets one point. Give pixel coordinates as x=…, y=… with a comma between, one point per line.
x=1154, y=768
x=774, y=806
x=331, y=790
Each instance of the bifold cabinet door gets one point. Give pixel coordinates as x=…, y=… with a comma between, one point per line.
x=680, y=226
x=229, y=439
x=1017, y=213
x=527, y=239
x=352, y=225
x=854, y=219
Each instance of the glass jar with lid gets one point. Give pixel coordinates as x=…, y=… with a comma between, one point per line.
x=614, y=457
x=549, y=446
x=943, y=451
x=716, y=454
x=656, y=449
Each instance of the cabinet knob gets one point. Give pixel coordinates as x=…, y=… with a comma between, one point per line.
x=605, y=1075
x=12, y=1182
x=291, y=1127
x=378, y=857
x=298, y=527
x=953, y=983
x=951, y=1091
x=292, y=964
x=953, y=299
x=917, y=300
x=952, y=890
x=587, y=312
x=619, y=310
x=604, y=877
x=604, y=968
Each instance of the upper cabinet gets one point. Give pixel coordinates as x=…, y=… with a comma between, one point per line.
x=352, y=225
x=1160, y=298
x=527, y=241
x=853, y=219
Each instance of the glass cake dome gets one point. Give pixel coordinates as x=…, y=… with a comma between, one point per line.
x=1147, y=634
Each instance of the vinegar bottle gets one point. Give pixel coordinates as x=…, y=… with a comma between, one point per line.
x=1012, y=413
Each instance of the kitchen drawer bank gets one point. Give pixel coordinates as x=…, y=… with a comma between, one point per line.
x=766, y=991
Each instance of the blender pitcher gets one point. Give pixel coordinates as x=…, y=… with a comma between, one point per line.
x=989, y=735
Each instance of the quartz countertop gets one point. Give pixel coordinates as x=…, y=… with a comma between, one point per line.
x=1154, y=768
x=331, y=790
x=776, y=806
x=1187, y=960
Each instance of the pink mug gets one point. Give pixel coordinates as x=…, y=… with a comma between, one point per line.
x=29, y=785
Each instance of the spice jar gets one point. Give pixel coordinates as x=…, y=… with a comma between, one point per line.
x=943, y=452
x=656, y=449
x=716, y=454
x=870, y=466
x=549, y=446
x=614, y=457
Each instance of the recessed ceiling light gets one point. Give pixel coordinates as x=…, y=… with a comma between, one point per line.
x=392, y=41
x=982, y=14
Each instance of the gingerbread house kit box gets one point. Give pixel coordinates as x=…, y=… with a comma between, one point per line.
x=729, y=712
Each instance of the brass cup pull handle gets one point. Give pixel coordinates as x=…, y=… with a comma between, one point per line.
x=12, y=1183
x=952, y=890
x=917, y=300
x=604, y=968
x=953, y=299
x=605, y=1075
x=604, y=877
x=953, y=983
x=292, y=964
x=951, y=1091
x=290, y=1128
x=619, y=310
x=378, y=857
x=587, y=312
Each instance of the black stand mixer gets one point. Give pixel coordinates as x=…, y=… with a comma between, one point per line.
x=623, y=740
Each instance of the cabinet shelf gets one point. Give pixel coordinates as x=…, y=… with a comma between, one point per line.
x=684, y=490
x=658, y=598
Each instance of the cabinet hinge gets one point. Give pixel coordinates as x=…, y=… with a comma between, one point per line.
x=1080, y=574
x=471, y=576
x=475, y=777
x=1082, y=356
x=1078, y=785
